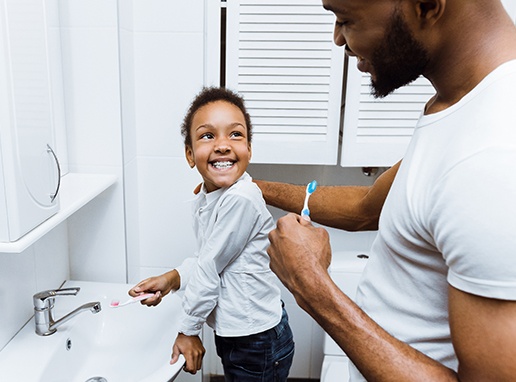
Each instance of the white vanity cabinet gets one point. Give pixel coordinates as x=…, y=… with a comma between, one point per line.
x=280, y=55
x=29, y=170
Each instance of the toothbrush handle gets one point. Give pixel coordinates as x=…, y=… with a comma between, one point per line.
x=305, y=211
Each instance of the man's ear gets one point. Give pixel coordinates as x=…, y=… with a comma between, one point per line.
x=189, y=156
x=430, y=10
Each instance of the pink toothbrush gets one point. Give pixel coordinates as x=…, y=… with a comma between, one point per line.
x=116, y=303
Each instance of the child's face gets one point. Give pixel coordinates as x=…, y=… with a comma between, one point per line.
x=220, y=148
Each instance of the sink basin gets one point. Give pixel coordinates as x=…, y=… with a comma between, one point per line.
x=129, y=343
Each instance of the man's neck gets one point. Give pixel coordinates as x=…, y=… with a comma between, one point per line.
x=467, y=58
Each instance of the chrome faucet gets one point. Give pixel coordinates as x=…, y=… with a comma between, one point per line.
x=44, y=304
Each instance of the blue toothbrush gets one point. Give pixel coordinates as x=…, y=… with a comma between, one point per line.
x=310, y=188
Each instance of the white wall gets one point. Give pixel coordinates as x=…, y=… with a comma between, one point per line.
x=162, y=57
x=42, y=266
x=91, y=80
x=162, y=44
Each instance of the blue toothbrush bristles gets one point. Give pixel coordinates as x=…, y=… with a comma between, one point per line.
x=310, y=188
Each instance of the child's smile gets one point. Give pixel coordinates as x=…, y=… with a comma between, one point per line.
x=222, y=165
x=220, y=148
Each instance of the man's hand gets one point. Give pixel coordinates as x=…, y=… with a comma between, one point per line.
x=298, y=252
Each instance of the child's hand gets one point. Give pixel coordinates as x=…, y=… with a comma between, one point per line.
x=192, y=349
x=159, y=285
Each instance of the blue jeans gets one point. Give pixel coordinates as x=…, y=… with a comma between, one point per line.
x=261, y=357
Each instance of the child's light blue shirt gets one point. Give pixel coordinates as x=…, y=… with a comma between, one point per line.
x=229, y=283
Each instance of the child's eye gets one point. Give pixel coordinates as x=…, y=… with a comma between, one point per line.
x=206, y=136
x=236, y=134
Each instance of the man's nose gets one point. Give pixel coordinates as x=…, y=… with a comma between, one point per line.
x=338, y=37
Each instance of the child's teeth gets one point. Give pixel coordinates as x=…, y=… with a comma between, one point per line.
x=223, y=164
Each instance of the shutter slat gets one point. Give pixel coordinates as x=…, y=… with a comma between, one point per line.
x=320, y=54
x=306, y=46
x=288, y=113
x=284, y=89
x=299, y=124
x=304, y=97
x=285, y=71
x=286, y=26
x=264, y=129
x=261, y=63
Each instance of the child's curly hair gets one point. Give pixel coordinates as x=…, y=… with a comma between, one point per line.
x=213, y=94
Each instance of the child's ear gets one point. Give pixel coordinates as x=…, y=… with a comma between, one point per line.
x=189, y=156
x=250, y=151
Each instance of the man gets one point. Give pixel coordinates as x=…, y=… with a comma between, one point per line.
x=438, y=297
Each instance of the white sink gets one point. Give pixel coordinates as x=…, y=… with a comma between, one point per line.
x=129, y=343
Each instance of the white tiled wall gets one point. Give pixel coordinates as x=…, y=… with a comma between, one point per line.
x=42, y=266
x=162, y=43
x=91, y=80
x=161, y=50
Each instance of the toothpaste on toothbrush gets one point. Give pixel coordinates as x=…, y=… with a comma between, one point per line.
x=117, y=304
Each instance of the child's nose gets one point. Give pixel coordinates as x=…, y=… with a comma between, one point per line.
x=222, y=145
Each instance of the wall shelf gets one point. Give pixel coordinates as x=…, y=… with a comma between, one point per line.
x=76, y=191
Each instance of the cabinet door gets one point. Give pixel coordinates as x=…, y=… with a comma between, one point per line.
x=376, y=132
x=281, y=57
x=30, y=169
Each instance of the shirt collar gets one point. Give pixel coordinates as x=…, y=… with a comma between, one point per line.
x=214, y=195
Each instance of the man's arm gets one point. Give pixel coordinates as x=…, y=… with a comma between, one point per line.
x=483, y=334
x=352, y=208
x=483, y=330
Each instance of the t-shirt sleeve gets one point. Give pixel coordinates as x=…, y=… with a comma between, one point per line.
x=473, y=219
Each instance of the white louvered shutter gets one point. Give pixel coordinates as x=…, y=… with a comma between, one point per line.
x=282, y=59
x=377, y=131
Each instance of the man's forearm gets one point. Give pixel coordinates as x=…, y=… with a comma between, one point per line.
x=352, y=208
x=378, y=355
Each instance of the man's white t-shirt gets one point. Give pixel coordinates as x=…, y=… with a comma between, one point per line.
x=449, y=218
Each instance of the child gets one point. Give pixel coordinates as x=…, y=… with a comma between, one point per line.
x=229, y=283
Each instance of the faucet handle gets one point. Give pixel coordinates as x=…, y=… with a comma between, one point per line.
x=40, y=299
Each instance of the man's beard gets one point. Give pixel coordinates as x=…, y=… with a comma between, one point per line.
x=398, y=60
